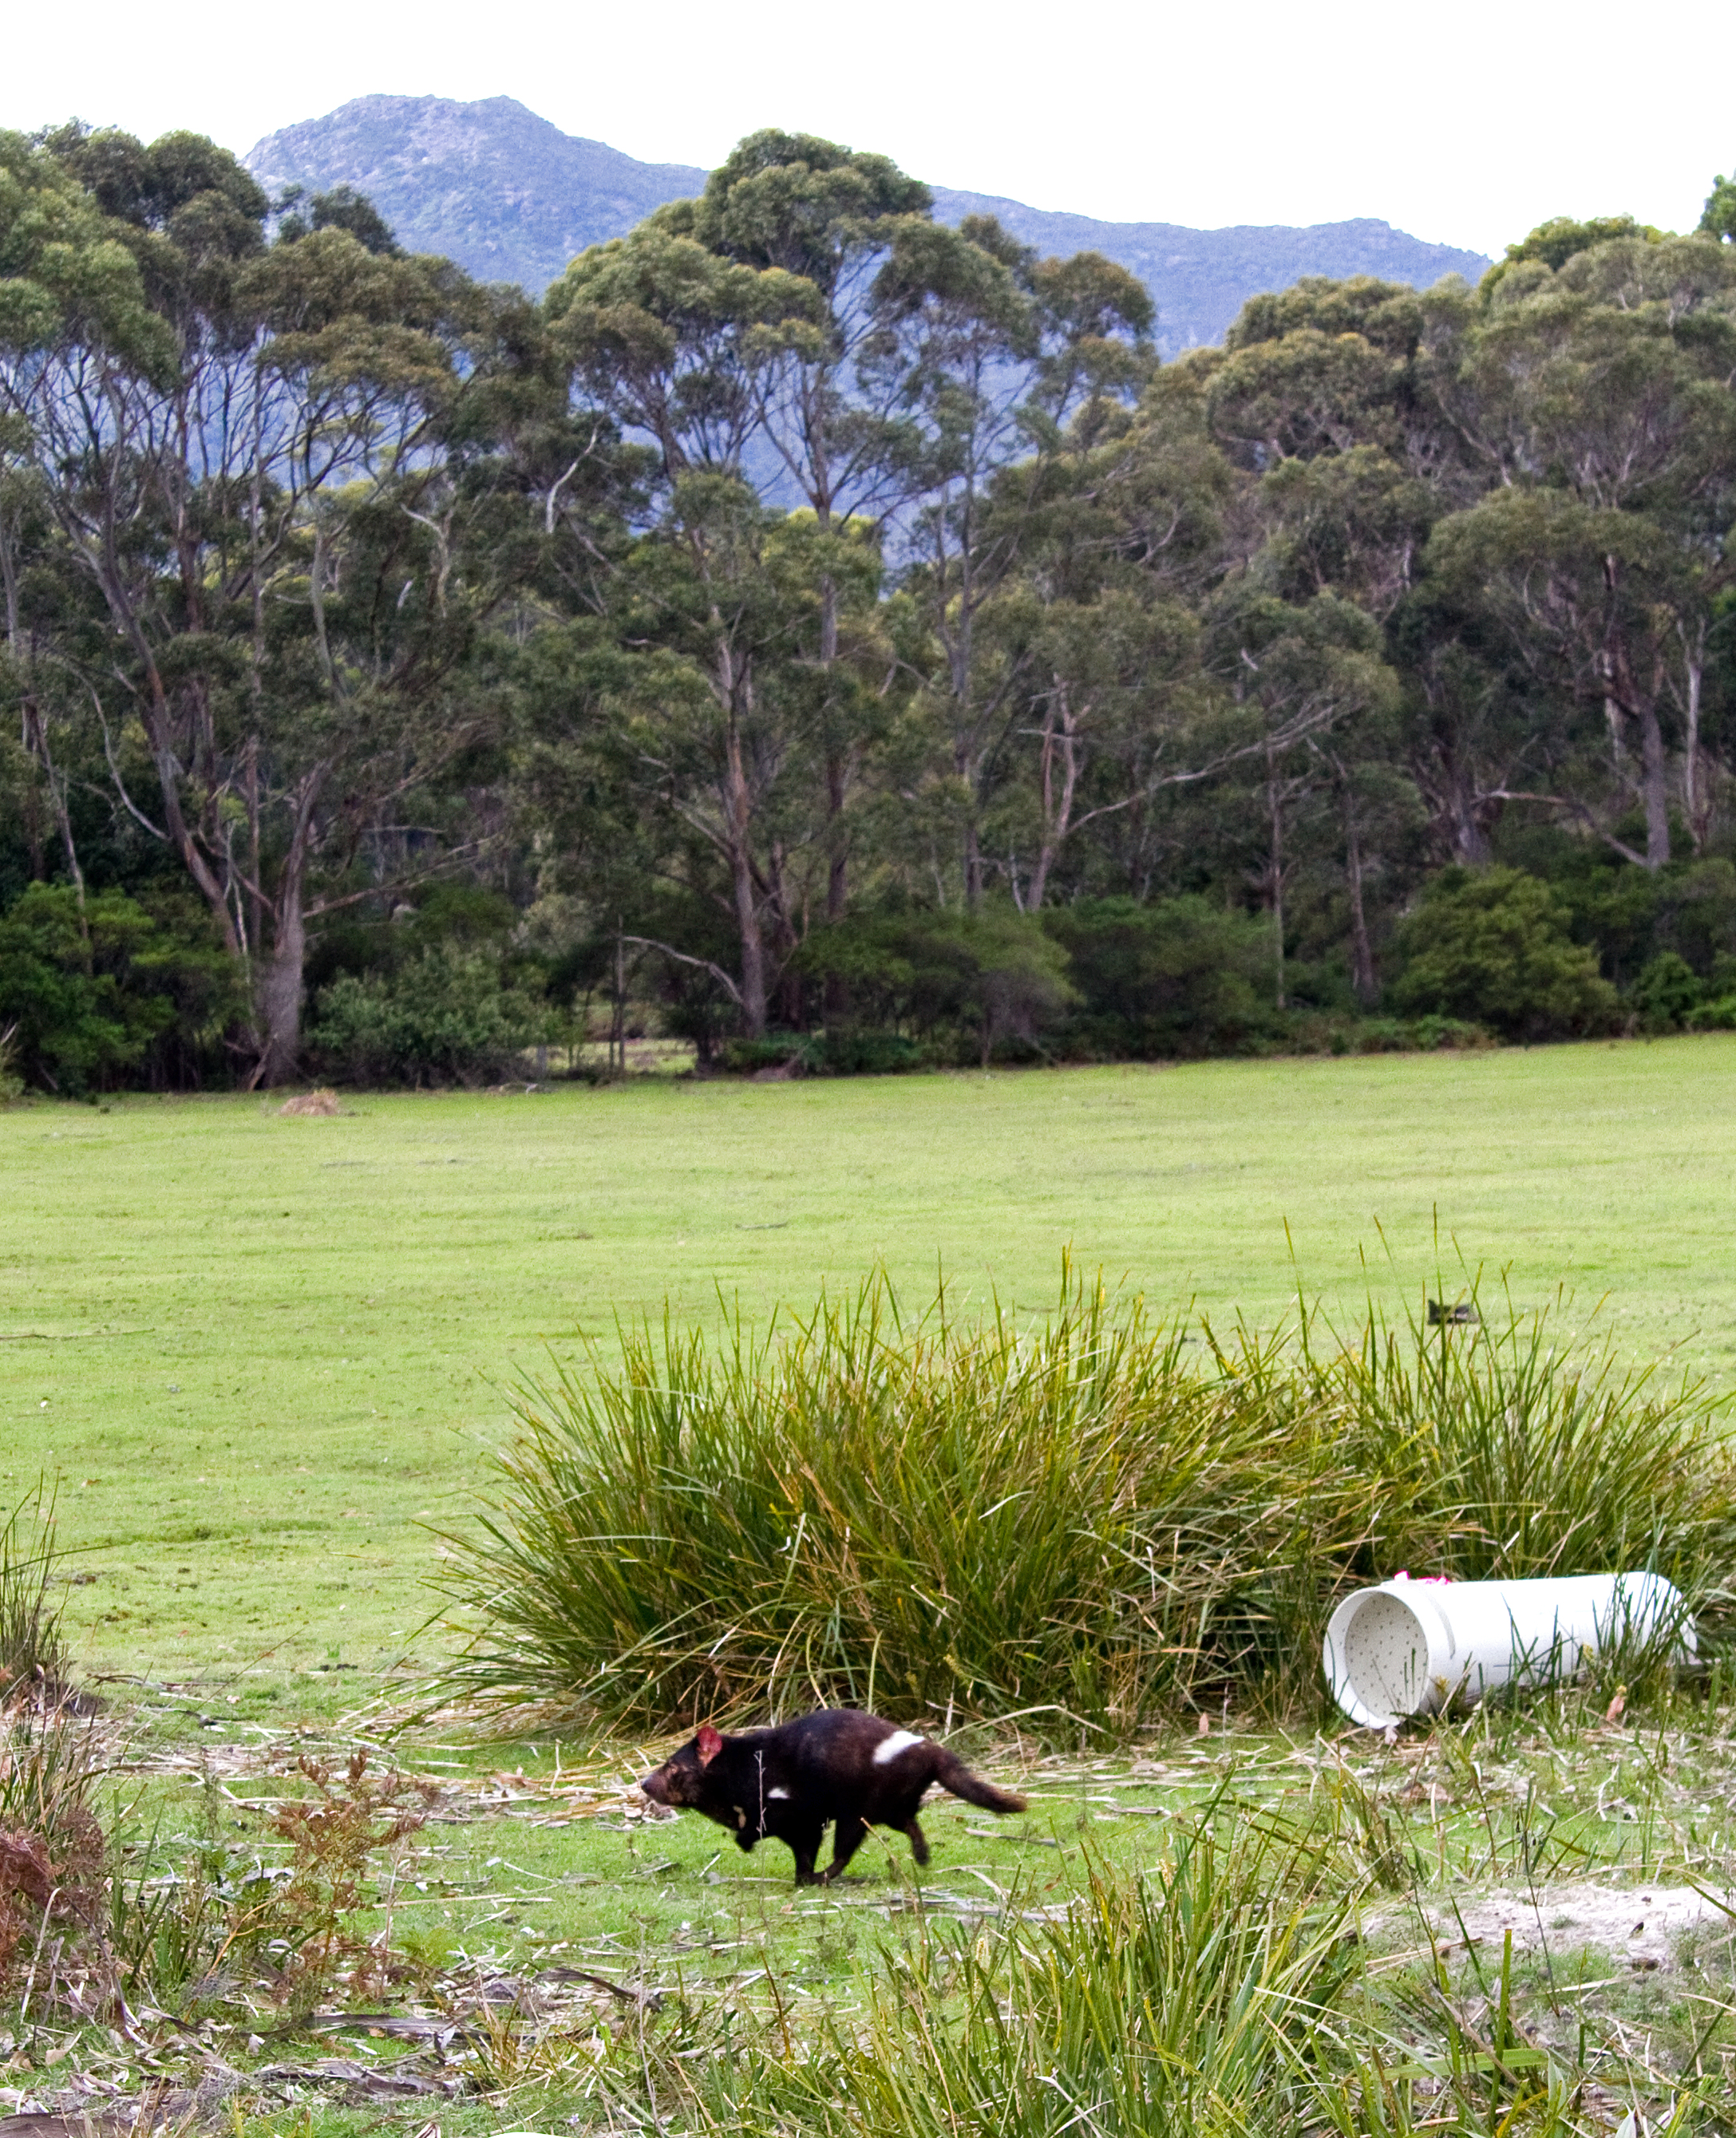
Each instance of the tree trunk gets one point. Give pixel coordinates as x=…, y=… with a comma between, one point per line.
x=279, y=980
x=1470, y=841
x=788, y=990
x=746, y=898
x=1655, y=774
x=618, y=1010
x=1362, y=976
x=753, y=951
x=835, y=993
x=973, y=868
x=838, y=869
x=279, y=991
x=36, y=754
x=250, y=791
x=972, y=855
x=36, y=844
x=1693, y=807
x=733, y=684
x=837, y=764
x=1274, y=805
x=1057, y=732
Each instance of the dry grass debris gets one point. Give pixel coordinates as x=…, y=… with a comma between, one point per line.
x=307, y=1105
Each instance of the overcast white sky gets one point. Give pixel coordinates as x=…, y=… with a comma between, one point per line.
x=1465, y=123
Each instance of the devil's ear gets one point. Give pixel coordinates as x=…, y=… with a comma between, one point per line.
x=710, y=1744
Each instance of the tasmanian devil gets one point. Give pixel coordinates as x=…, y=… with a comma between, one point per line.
x=837, y=1764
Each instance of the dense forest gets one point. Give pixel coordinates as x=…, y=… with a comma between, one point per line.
x=816, y=632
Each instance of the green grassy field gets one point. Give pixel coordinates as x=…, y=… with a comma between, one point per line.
x=259, y=1354
x=257, y=1351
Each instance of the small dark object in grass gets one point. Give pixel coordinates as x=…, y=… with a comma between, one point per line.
x=836, y=1766
x=1462, y=1316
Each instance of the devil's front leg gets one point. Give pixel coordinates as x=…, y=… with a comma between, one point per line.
x=846, y=1838
x=804, y=1838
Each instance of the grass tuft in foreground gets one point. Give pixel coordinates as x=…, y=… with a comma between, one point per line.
x=1087, y=1522
x=33, y=1651
x=1184, y=2000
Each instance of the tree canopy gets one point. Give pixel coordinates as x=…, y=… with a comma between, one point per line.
x=809, y=616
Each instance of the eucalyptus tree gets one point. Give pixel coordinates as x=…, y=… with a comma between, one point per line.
x=253, y=454
x=1719, y=219
x=834, y=426
x=670, y=340
x=37, y=762
x=1098, y=630
x=1303, y=677
x=1601, y=391
x=676, y=741
x=1006, y=367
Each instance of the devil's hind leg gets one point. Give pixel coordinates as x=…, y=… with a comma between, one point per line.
x=918, y=1839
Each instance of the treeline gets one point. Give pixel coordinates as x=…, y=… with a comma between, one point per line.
x=823, y=630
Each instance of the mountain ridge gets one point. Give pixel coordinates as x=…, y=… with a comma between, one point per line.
x=511, y=197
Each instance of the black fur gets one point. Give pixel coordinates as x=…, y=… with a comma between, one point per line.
x=789, y=1782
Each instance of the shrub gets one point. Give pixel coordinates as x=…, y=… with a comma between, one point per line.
x=334, y=1836
x=52, y=1844
x=1425, y=1035
x=992, y=976
x=1666, y=992
x=853, y=1053
x=746, y=1058
x=108, y=993
x=1493, y=948
x=848, y=1053
x=446, y=1015
x=1502, y=1455
x=1088, y=1520
x=225, y=1926
x=1180, y=976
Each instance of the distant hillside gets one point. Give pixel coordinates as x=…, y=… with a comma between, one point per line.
x=512, y=198
x=509, y=196
x=1202, y=278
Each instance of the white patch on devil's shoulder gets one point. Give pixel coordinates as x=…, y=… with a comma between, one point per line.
x=777, y=1796
x=888, y=1748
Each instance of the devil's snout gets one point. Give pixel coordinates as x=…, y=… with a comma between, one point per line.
x=655, y=1787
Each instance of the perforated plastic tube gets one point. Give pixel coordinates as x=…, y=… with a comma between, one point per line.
x=1414, y=1647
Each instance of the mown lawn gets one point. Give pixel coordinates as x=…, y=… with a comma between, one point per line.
x=256, y=1352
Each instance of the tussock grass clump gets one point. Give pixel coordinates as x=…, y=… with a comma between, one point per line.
x=33, y=1657
x=1503, y=1454
x=1093, y=1519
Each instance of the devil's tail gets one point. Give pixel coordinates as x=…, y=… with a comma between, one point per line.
x=952, y=1773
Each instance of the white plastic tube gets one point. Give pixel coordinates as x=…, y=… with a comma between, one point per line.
x=1414, y=1647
